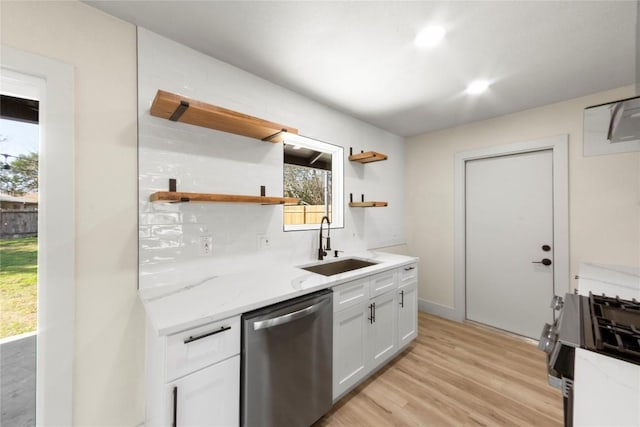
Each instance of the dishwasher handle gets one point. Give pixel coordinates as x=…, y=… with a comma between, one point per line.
x=286, y=318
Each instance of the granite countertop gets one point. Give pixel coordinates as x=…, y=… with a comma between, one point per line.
x=172, y=309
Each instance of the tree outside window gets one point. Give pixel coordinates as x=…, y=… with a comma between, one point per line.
x=312, y=187
x=21, y=175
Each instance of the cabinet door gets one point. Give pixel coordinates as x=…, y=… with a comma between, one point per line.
x=209, y=397
x=407, y=297
x=349, y=347
x=382, y=332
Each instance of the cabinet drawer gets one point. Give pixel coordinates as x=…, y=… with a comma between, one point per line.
x=408, y=274
x=383, y=282
x=350, y=294
x=199, y=347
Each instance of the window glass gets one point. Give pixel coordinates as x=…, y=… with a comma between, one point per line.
x=313, y=175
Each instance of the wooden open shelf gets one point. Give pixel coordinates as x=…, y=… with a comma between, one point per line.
x=363, y=204
x=368, y=204
x=176, y=197
x=368, y=157
x=182, y=109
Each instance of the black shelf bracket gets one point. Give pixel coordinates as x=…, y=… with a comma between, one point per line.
x=270, y=137
x=180, y=109
x=173, y=189
x=351, y=198
x=182, y=200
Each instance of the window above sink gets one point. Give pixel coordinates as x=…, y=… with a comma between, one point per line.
x=313, y=174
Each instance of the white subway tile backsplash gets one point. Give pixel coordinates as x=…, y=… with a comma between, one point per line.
x=205, y=160
x=144, y=232
x=166, y=232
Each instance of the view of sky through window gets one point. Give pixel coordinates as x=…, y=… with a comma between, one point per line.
x=18, y=138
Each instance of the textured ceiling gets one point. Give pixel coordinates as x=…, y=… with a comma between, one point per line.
x=359, y=57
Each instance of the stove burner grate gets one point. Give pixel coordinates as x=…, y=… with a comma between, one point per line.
x=616, y=326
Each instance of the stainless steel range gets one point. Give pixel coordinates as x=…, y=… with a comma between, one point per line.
x=597, y=336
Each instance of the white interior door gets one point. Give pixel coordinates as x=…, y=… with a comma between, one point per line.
x=509, y=231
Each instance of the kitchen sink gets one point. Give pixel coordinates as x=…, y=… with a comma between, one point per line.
x=337, y=267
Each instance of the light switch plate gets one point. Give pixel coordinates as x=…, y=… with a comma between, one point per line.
x=206, y=245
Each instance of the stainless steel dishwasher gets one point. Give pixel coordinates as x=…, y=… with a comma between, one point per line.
x=287, y=362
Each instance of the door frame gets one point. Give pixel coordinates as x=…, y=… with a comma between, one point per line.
x=559, y=145
x=53, y=81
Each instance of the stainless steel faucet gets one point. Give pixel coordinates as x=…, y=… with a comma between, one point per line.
x=322, y=252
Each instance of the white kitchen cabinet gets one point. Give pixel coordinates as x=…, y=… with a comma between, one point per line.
x=193, y=377
x=209, y=397
x=383, y=329
x=350, y=353
x=369, y=326
x=407, y=300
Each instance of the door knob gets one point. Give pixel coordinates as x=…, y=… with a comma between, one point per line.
x=546, y=248
x=545, y=261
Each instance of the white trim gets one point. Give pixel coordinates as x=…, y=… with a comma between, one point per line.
x=438, y=310
x=56, y=241
x=560, y=147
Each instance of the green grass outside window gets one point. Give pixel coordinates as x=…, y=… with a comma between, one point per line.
x=18, y=286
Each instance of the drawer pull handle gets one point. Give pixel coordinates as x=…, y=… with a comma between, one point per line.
x=372, y=311
x=207, y=334
x=174, y=422
x=409, y=268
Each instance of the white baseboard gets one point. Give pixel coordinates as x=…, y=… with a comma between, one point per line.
x=438, y=310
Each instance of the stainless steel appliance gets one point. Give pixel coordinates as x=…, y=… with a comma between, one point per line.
x=606, y=325
x=287, y=362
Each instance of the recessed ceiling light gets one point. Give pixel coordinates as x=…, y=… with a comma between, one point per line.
x=477, y=87
x=430, y=36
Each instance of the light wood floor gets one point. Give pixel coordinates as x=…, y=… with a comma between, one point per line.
x=455, y=374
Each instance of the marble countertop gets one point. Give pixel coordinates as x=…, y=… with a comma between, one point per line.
x=611, y=280
x=172, y=309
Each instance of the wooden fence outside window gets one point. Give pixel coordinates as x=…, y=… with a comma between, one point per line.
x=16, y=223
x=304, y=214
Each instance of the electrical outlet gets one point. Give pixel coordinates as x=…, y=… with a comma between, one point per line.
x=263, y=241
x=206, y=245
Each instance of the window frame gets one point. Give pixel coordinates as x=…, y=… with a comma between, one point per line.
x=337, y=180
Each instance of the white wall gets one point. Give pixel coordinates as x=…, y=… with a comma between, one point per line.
x=204, y=160
x=604, y=191
x=109, y=351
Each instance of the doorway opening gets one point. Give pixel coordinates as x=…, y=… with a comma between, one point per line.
x=33, y=77
x=19, y=148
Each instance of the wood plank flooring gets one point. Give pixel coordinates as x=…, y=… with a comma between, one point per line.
x=455, y=374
